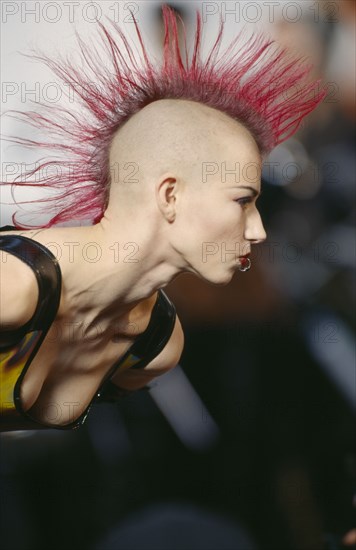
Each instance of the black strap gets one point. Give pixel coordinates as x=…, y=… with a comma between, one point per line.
x=151, y=342
x=48, y=275
x=147, y=346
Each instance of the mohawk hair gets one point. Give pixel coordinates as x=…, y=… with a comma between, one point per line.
x=256, y=83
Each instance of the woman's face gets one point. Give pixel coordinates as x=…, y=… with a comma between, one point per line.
x=218, y=218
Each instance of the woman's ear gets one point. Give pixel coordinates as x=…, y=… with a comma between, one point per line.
x=166, y=191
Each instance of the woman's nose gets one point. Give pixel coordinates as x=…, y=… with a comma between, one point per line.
x=254, y=230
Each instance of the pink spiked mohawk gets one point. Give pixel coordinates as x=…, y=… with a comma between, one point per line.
x=257, y=83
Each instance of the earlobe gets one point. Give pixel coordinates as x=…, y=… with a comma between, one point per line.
x=166, y=197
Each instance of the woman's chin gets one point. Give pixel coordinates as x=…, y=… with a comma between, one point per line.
x=219, y=277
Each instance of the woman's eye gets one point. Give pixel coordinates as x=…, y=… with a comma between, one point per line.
x=244, y=201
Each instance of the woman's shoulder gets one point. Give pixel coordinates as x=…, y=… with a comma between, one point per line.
x=18, y=292
x=22, y=261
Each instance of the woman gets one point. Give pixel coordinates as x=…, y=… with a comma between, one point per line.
x=166, y=165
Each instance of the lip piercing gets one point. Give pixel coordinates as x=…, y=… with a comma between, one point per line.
x=245, y=265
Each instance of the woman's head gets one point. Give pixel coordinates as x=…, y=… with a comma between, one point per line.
x=197, y=178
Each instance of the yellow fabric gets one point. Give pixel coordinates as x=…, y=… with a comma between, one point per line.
x=12, y=363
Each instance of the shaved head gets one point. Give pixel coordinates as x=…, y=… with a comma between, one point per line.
x=170, y=136
x=172, y=206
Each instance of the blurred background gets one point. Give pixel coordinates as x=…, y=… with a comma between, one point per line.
x=250, y=442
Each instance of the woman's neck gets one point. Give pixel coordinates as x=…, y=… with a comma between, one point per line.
x=107, y=270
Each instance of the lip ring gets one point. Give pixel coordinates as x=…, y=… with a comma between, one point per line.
x=245, y=264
